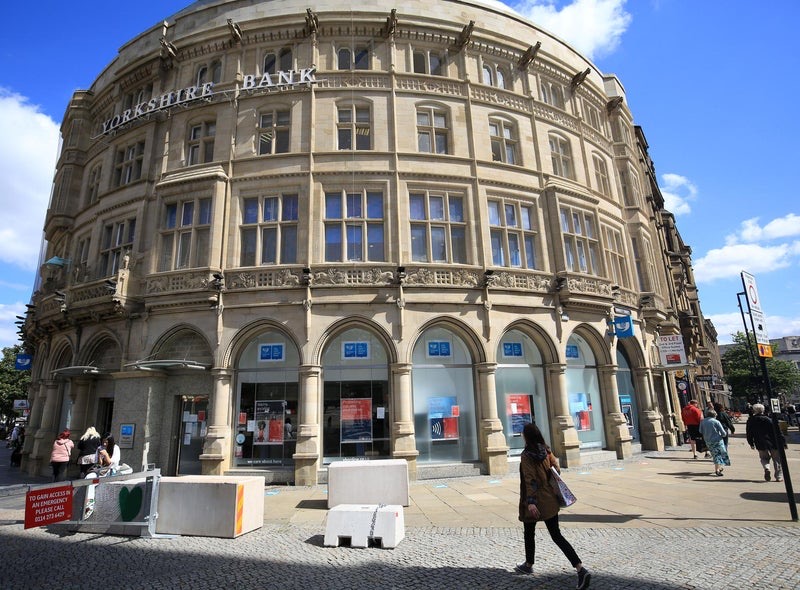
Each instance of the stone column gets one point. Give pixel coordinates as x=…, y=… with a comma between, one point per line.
x=79, y=392
x=404, y=445
x=650, y=428
x=38, y=397
x=216, y=456
x=618, y=435
x=39, y=457
x=493, y=441
x=566, y=444
x=308, y=455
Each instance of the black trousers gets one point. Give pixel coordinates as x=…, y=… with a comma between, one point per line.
x=59, y=470
x=555, y=534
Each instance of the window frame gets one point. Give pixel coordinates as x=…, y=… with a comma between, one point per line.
x=581, y=247
x=504, y=142
x=185, y=243
x=277, y=214
x=117, y=239
x=601, y=177
x=504, y=232
x=200, y=147
x=277, y=135
x=561, y=157
x=358, y=55
x=356, y=219
x=354, y=127
x=552, y=93
x=441, y=226
x=282, y=57
x=129, y=163
x=615, y=256
x=432, y=130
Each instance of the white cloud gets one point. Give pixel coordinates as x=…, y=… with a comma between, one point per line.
x=28, y=147
x=8, y=329
x=781, y=227
x=678, y=191
x=593, y=27
x=728, y=261
x=727, y=324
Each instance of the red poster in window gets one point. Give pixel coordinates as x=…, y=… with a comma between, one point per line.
x=450, y=427
x=518, y=403
x=356, y=409
x=455, y=411
x=242, y=417
x=275, y=431
x=201, y=415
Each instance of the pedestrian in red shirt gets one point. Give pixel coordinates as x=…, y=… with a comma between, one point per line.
x=692, y=416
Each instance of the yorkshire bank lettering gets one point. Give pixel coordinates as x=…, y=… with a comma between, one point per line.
x=205, y=91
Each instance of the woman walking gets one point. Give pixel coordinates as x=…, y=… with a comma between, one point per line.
x=714, y=434
x=538, y=501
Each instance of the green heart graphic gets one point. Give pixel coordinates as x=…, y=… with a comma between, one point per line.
x=130, y=503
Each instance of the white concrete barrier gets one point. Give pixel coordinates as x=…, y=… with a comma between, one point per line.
x=384, y=525
x=210, y=506
x=368, y=482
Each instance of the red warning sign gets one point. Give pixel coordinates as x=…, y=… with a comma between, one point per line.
x=47, y=506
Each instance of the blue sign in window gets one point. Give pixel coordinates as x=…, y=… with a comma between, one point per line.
x=355, y=350
x=438, y=348
x=573, y=352
x=512, y=349
x=270, y=352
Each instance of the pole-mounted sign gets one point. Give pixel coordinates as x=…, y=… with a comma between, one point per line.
x=757, y=318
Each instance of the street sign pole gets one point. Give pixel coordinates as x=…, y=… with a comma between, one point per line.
x=765, y=351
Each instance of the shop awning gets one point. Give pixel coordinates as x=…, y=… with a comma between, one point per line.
x=78, y=371
x=166, y=364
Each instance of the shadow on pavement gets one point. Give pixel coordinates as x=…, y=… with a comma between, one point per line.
x=313, y=504
x=777, y=496
x=599, y=518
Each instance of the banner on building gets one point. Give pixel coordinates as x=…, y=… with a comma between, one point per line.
x=671, y=350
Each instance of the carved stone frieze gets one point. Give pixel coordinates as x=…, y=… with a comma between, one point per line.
x=556, y=116
x=587, y=285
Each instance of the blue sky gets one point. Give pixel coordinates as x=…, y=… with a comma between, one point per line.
x=713, y=85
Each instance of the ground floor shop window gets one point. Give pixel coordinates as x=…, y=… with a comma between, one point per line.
x=356, y=422
x=444, y=399
x=583, y=393
x=519, y=383
x=627, y=394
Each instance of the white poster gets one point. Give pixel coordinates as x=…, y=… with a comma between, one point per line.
x=671, y=350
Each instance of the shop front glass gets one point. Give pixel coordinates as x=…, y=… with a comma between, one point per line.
x=583, y=393
x=265, y=424
x=444, y=398
x=356, y=420
x=519, y=381
x=627, y=394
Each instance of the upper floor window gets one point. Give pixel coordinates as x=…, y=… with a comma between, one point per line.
x=269, y=230
x=615, y=256
x=581, y=249
x=81, y=259
x=428, y=61
x=552, y=93
x=280, y=60
x=200, y=146
x=631, y=193
x=643, y=262
x=438, y=227
x=185, y=234
x=354, y=226
x=273, y=132
x=117, y=241
x=512, y=234
x=494, y=75
x=353, y=128
x=592, y=116
x=601, y=175
x=209, y=73
x=433, y=135
x=93, y=184
x=136, y=96
x=504, y=141
x=128, y=163
x=561, y=156
x=356, y=57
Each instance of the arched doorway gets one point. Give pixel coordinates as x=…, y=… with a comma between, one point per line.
x=442, y=379
x=627, y=393
x=520, y=387
x=265, y=418
x=356, y=420
x=583, y=393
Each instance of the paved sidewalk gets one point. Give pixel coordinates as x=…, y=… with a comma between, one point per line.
x=656, y=522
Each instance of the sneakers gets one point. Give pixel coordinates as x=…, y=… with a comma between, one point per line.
x=694, y=456
x=778, y=478
x=767, y=476
x=584, y=577
x=523, y=568
x=708, y=455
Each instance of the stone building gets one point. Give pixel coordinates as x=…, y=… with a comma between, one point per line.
x=281, y=237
